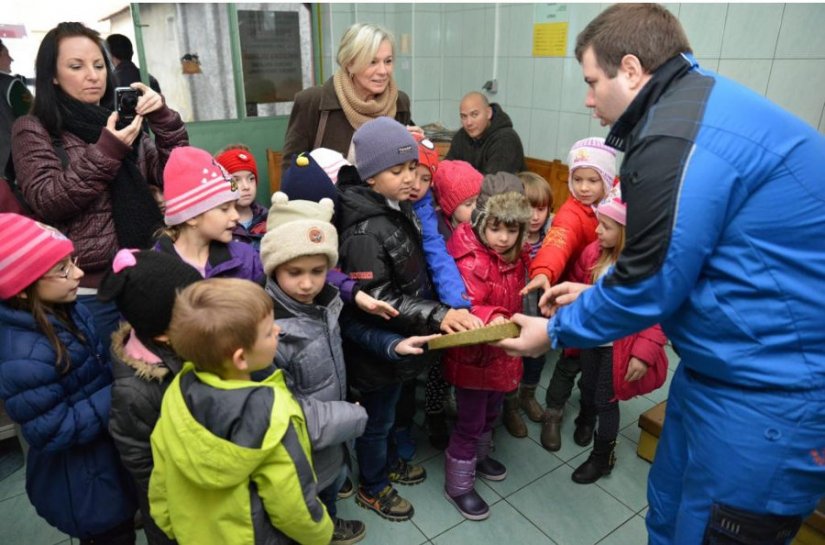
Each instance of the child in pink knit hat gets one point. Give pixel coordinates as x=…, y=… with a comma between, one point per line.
x=456, y=185
x=201, y=217
x=628, y=367
x=56, y=383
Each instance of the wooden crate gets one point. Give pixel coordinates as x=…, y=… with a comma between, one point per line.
x=651, y=422
x=813, y=529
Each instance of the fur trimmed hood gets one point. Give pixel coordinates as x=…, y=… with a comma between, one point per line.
x=142, y=369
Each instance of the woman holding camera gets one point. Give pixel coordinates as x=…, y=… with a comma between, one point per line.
x=82, y=169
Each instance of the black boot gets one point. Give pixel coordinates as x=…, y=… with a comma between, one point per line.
x=598, y=464
x=585, y=426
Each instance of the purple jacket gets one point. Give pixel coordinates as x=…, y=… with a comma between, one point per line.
x=257, y=229
x=232, y=260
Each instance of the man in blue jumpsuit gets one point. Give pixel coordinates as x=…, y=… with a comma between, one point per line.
x=725, y=248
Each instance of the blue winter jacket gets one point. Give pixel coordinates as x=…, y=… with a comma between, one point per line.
x=447, y=280
x=74, y=477
x=725, y=194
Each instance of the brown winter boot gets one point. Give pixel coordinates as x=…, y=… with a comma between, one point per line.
x=511, y=416
x=551, y=429
x=527, y=402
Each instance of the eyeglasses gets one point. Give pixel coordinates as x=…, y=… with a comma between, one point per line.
x=64, y=271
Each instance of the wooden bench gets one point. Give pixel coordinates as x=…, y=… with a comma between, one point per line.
x=555, y=172
x=652, y=421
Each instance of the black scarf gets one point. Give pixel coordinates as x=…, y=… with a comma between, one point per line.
x=135, y=213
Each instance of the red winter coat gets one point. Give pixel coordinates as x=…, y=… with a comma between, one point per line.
x=647, y=346
x=573, y=228
x=493, y=287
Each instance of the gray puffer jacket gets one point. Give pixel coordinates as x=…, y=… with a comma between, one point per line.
x=310, y=353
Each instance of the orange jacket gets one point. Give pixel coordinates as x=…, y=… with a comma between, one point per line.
x=573, y=228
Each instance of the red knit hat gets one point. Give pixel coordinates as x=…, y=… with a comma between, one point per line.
x=427, y=154
x=236, y=159
x=194, y=183
x=455, y=182
x=28, y=249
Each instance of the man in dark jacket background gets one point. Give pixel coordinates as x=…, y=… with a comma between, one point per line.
x=126, y=72
x=486, y=139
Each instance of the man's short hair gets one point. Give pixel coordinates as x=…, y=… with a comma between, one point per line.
x=214, y=318
x=120, y=47
x=483, y=98
x=648, y=31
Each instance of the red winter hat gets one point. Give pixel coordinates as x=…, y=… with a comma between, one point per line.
x=28, y=249
x=455, y=182
x=427, y=154
x=194, y=183
x=236, y=159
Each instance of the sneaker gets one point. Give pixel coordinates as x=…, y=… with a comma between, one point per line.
x=347, y=489
x=405, y=443
x=347, y=532
x=407, y=473
x=387, y=504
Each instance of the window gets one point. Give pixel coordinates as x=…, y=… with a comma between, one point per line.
x=189, y=49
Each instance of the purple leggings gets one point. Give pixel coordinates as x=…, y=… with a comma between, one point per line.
x=477, y=410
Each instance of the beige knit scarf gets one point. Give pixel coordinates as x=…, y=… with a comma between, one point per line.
x=360, y=111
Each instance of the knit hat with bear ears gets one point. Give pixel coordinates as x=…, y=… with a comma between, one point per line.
x=298, y=228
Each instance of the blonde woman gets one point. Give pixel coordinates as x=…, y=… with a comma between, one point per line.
x=362, y=89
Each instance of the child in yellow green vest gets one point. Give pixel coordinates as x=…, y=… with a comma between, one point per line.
x=232, y=456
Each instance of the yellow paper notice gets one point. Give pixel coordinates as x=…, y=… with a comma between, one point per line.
x=549, y=39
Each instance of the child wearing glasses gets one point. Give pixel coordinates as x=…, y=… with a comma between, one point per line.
x=55, y=382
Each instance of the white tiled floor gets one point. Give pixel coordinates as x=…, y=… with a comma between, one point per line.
x=537, y=504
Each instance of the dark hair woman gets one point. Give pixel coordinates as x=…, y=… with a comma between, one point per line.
x=83, y=170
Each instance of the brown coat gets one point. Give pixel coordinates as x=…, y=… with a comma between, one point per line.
x=76, y=199
x=306, y=115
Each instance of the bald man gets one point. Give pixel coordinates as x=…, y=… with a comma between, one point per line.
x=486, y=139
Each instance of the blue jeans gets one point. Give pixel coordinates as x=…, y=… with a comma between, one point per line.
x=106, y=316
x=329, y=495
x=757, y=451
x=376, y=448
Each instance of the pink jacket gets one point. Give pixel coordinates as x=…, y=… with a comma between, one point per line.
x=493, y=287
x=647, y=345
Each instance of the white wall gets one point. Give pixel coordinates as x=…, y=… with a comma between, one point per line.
x=778, y=50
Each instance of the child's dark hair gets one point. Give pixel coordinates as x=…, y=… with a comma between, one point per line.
x=514, y=252
x=41, y=312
